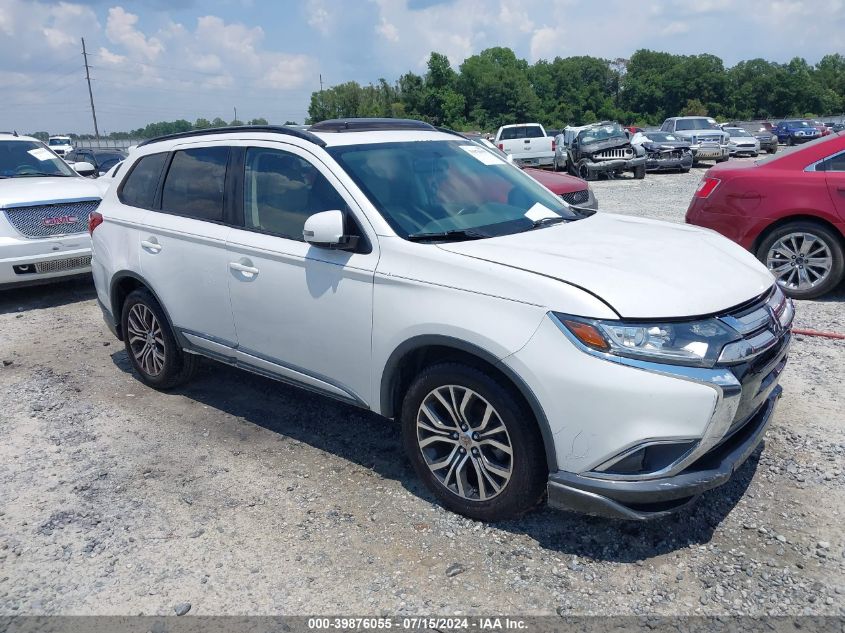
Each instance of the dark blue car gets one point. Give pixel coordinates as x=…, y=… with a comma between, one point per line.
x=796, y=131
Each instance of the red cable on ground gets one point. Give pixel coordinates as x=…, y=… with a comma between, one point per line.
x=833, y=335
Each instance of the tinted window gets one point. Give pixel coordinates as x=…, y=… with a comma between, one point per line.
x=522, y=131
x=195, y=182
x=282, y=190
x=834, y=163
x=139, y=188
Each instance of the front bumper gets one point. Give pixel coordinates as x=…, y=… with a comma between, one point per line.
x=652, y=498
x=620, y=164
x=710, y=152
x=31, y=261
x=658, y=163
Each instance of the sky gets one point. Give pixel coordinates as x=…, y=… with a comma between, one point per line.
x=154, y=60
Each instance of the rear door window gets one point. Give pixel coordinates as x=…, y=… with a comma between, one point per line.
x=139, y=188
x=522, y=131
x=195, y=183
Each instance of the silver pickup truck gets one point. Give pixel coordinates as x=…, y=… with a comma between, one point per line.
x=707, y=140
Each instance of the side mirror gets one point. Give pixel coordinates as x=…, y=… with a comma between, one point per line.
x=326, y=230
x=84, y=169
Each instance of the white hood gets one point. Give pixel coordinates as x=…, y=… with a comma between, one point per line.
x=34, y=190
x=642, y=268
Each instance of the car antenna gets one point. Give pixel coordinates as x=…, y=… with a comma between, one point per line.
x=15, y=133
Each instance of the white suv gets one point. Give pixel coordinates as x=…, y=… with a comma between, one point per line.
x=624, y=365
x=44, y=208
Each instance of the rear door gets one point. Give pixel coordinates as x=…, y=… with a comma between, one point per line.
x=183, y=245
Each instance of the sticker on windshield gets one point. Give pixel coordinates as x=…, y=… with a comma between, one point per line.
x=539, y=212
x=479, y=153
x=39, y=153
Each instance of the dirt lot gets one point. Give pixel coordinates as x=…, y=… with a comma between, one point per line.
x=239, y=495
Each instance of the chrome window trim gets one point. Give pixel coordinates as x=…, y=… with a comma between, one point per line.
x=812, y=167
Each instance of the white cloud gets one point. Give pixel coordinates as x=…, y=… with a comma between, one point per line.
x=547, y=43
x=120, y=29
x=107, y=57
x=387, y=30
x=675, y=28
x=318, y=16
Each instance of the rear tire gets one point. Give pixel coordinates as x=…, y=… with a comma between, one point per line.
x=443, y=423
x=153, y=351
x=775, y=253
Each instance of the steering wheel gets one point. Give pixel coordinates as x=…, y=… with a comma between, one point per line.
x=23, y=170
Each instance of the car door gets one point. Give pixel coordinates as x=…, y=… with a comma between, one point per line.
x=302, y=313
x=834, y=168
x=183, y=246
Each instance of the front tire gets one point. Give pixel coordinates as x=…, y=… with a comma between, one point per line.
x=472, y=443
x=806, y=258
x=153, y=351
x=639, y=172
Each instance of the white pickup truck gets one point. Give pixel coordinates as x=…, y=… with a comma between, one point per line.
x=527, y=143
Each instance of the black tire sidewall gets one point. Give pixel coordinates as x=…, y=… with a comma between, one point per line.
x=173, y=354
x=530, y=472
x=833, y=242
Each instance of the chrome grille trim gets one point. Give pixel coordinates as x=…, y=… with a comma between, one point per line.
x=576, y=197
x=35, y=221
x=58, y=265
x=614, y=153
x=762, y=326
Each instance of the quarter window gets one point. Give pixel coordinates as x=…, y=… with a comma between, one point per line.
x=139, y=188
x=195, y=183
x=834, y=163
x=282, y=190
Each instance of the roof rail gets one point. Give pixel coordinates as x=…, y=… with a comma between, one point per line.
x=370, y=125
x=268, y=129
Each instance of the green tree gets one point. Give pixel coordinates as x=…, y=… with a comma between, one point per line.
x=202, y=124
x=258, y=121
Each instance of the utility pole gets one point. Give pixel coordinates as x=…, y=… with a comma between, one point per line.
x=321, y=82
x=90, y=93
x=236, y=113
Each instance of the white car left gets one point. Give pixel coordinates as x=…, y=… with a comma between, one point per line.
x=44, y=208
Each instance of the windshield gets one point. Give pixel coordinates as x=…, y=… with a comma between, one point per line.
x=696, y=124
x=27, y=158
x=59, y=141
x=798, y=124
x=426, y=187
x=601, y=133
x=735, y=131
x=661, y=137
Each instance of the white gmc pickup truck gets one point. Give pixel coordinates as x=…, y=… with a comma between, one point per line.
x=527, y=143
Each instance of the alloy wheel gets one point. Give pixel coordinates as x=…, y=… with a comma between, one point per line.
x=800, y=261
x=146, y=339
x=464, y=442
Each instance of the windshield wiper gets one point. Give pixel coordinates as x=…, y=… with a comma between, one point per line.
x=548, y=221
x=40, y=173
x=453, y=234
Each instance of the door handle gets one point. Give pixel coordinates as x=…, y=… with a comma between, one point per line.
x=243, y=268
x=151, y=245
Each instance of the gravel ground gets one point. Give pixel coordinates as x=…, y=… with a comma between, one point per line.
x=239, y=495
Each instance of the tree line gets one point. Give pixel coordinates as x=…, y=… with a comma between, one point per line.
x=151, y=130
x=495, y=88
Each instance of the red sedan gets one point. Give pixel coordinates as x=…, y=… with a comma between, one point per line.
x=573, y=190
x=789, y=210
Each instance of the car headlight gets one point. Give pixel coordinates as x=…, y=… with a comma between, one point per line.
x=694, y=343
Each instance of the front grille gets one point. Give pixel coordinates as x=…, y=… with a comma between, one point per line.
x=49, y=220
x=576, y=197
x=613, y=153
x=58, y=265
x=765, y=325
